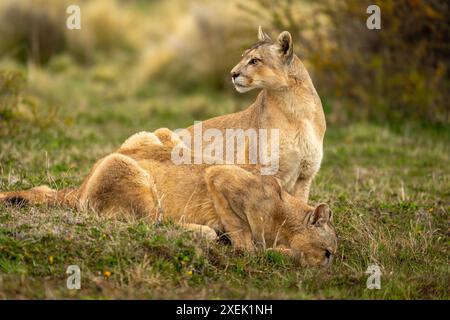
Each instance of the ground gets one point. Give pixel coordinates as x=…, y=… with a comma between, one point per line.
x=388, y=186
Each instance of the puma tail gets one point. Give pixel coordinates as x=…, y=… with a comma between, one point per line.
x=41, y=195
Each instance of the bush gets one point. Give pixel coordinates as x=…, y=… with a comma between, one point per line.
x=107, y=27
x=11, y=83
x=31, y=30
x=203, y=49
x=35, y=30
x=396, y=72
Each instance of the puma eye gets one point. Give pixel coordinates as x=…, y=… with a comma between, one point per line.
x=253, y=61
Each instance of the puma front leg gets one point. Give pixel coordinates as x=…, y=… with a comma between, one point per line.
x=302, y=188
x=231, y=214
x=236, y=227
x=204, y=231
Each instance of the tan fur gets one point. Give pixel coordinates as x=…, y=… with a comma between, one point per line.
x=140, y=178
x=288, y=101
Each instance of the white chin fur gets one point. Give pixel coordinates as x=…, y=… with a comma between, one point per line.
x=242, y=89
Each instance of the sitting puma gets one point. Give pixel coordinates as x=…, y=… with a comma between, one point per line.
x=288, y=101
x=140, y=178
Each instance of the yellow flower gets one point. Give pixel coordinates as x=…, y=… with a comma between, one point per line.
x=189, y=272
x=107, y=274
x=50, y=259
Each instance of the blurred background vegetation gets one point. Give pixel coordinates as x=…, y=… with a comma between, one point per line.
x=142, y=49
x=144, y=52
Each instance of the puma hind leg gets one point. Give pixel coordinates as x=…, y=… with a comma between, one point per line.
x=167, y=137
x=120, y=185
x=140, y=140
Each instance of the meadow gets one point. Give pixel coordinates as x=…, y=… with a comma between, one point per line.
x=388, y=186
x=387, y=183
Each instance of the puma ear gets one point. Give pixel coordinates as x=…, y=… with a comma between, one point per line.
x=262, y=36
x=285, y=46
x=321, y=215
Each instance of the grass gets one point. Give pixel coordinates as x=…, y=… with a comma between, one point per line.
x=388, y=186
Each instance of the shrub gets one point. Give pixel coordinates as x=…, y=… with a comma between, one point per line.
x=396, y=72
x=35, y=30
x=32, y=30
x=203, y=49
x=107, y=27
x=11, y=83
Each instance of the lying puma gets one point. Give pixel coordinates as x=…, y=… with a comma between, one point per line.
x=288, y=101
x=140, y=178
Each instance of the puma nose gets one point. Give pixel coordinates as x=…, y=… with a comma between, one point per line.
x=235, y=74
